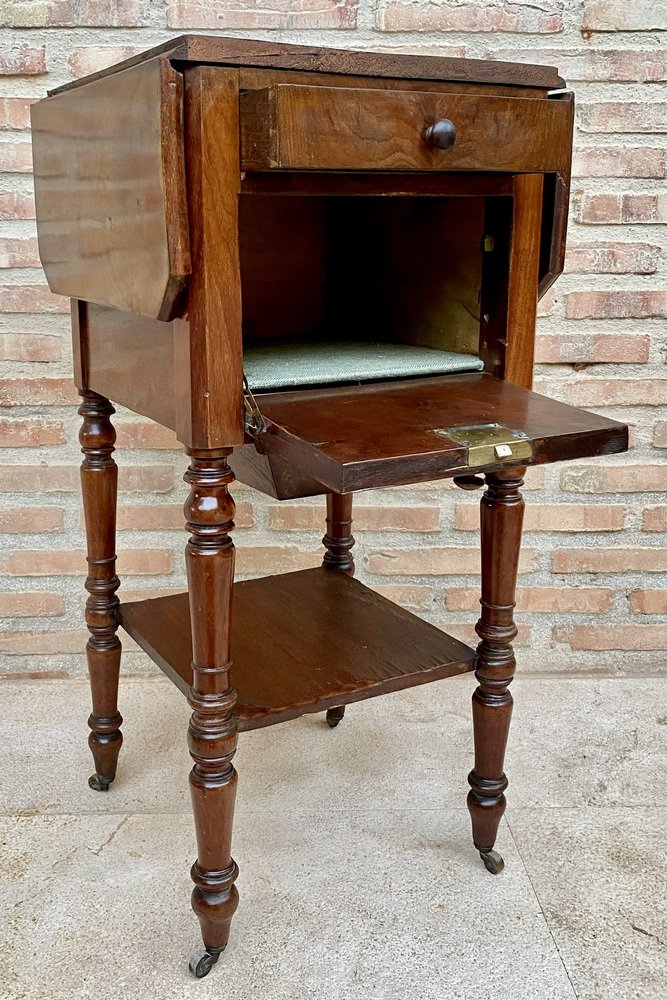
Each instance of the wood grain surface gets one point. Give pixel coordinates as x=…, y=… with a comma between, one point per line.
x=208, y=361
x=339, y=128
x=110, y=191
x=315, y=59
x=291, y=654
x=389, y=434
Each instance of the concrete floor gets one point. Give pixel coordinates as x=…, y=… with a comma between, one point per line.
x=358, y=878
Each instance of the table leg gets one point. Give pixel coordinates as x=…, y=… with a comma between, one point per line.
x=212, y=735
x=338, y=542
x=99, y=484
x=501, y=519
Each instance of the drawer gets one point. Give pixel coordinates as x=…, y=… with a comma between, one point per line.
x=288, y=127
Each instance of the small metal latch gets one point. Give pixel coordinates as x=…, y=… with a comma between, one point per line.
x=253, y=421
x=490, y=444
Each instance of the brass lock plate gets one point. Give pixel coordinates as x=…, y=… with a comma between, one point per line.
x=490, y=444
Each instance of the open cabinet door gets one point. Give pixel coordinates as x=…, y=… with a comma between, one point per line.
x=391, y=433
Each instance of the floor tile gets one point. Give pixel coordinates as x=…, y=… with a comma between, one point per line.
x=601, y=879
x=373, y=904
x=573, y=742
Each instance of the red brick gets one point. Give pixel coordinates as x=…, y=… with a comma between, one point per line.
x=603, y=637
x=66, y=479
x=398, y=15
x=628, y=478
x=47, y=643
x=540, y=600
x=31, y=605
x=261, y=560
x=619, y=15
x=435, y=561
x=413, y=597
x=22, y=60
x=19, y=253
x=644, y=65
x=38, y=392
x=15, y=157
x=31, y=520
x=615, y=305
x=93, y=58
x=31, y=433
x=534, y=478
x=592, y=391
x=31, y=299
x=74, y=13
x=465, y=632
x=15, y=112
x=146, y=436
x=592, y=348
x=43, y=643
x=655, y=519
x=554, y=517
x=71, y=562
x=29, y=347
x=609, y=560
x=660, y=434
x=547, y=303
x=648, y=602
x=169, y=516
x=254, y=15
x=610, y=161
x=622, y=116
x=144, y=594
x=294, y=517
x=617, y=209
x=16, y=205
x=613, y=258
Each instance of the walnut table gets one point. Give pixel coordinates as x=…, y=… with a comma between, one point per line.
x=321, y=269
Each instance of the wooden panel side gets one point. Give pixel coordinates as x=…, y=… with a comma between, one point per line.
x=555, y=212
x=336, y=128
x=130, y=360
x=524, y=264
x=110, y=191
x=208, y=346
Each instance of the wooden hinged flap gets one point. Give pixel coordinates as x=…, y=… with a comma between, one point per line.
x=390, y=433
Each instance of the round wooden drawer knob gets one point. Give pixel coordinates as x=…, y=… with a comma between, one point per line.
x=442, y=135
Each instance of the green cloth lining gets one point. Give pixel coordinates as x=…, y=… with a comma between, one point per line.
x=302, y=363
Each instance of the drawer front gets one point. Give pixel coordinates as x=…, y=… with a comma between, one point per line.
x=288, y=127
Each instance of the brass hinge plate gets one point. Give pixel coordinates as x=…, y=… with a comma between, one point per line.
x=490, y=444
x=253, y=421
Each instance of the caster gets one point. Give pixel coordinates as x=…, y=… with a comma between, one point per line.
x=493, y=861
x=202, y=961
x=334, y=716
x=99, y=784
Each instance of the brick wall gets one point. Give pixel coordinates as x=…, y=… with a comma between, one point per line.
x=592, y=586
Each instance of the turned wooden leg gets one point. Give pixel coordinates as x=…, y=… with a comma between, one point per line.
x=209, y=512
x=99, y=484
x=338, y=542
x=501, y=518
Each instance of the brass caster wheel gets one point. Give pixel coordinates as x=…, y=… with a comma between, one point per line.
x=202, y=961
x=493, y=862
x=98, y=783
x=334, y=716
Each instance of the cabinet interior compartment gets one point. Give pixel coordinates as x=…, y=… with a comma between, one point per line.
x=352, y=289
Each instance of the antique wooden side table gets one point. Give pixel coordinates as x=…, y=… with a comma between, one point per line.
x=321, y=269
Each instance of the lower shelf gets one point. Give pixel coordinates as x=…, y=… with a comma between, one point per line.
x=303, y=642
